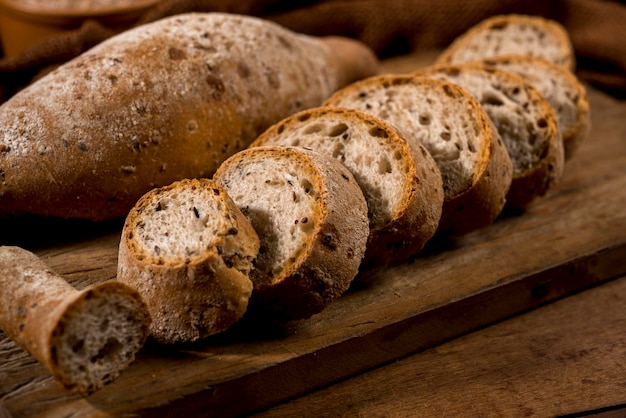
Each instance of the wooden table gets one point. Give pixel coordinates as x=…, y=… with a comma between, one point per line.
x=419, y=324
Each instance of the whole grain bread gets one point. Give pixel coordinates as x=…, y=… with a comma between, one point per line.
x=403, y=188
x=561, y=88
x=525, y=121
x=311, y=217
x=188, y=250
x=456, y=131
x=84, y=338
x=164, y=101
x=512, y=34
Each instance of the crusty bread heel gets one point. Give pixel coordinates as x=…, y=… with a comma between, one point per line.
x=84, y=338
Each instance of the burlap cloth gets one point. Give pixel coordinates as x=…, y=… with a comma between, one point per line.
x=390, y=27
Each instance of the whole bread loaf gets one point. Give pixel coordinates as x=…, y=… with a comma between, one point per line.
x=402, y=185
x=311, y=217
x=84, y=338
x=164, y=101
x=456, y=131
x=188, y=250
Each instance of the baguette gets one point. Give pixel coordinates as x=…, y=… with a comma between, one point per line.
x=453, y=127
x=525, y=121
x=512, y=34
x=403, y=188
x=188, y=250
x=84, y=338
x=311, y=217
x=561, y=88
x=164, y=101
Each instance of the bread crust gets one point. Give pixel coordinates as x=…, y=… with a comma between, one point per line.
x=415, y=219
x=168, y=100
x=191, y=297
x=479, y=203
x=532, y=178
x=552, y=81
x=322, y=271
x=37, y=308
x=471, y=41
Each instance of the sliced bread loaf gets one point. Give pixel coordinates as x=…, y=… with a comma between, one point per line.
x=456, y=131
x=188, y=250
x=525, y=121
x=561, y=88
x=512, y=34
x=311, y=217
x=403, y=188
x=84, y=338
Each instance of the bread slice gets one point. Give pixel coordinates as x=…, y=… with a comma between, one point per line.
x=311, y=217
x=456, y=131
x=512, y=34
x=188, y=251
x=525, y=121
x=561, y=88
x=84, y=338
x=403, y=188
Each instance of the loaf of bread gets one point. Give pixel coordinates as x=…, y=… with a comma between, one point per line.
x=403, y=188
x=512, y=34
x=311, y=217
x=84, y=338
x=164, y=101
x=561, y=88
x=525, y=121
x=453, y=127
x=188, y=250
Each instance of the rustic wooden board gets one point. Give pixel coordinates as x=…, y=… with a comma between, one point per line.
x=569, y=240
x=563, y=359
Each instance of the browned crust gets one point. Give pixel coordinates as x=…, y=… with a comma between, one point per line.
x=575, y=134
x=177, y=112
x=483, y=200
x=416, y=218
x=324, y=271
x=196, y=296
x=566, y=59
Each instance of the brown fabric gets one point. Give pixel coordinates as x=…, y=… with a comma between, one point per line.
x=390, y=27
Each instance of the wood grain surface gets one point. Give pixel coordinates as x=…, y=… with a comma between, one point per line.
x=563, y=359
x=569, y=240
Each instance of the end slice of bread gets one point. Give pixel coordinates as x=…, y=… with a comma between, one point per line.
x=84, y=338
x=561, y=88
x=525, y=121
x=456, y=131
x=311, y=217
x=403, y=189
x=188, y=250
x=512, y=34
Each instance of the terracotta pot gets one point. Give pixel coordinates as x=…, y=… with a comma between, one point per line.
x=24, y=23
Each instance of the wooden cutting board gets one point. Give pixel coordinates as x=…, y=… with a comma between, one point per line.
x=569, y=240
